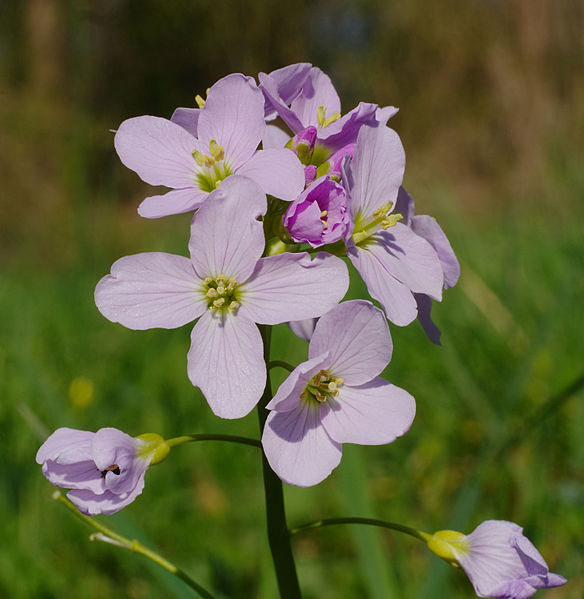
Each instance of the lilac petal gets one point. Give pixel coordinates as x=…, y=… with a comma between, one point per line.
x=317, y=90
x=108, y=503
x=384, y=114
x=226, y=237
x=288, y=395
x=404, y=205
x=274, y=137
x=233, y=115
x=425, y=226
x=187, y=118
x=269, y=87
x=356, y=335
x=292, y=287
x=76, y=475
x=159, y=151
x=226, y=362
x=298, y=448
x=345, y=130
x=289, y=80
x=176, y=201
x=410, y=259
x=396, y=299
x=303, y=328
x=371, y=414
x=107, y=443
x=66, y=446
x=424, y=304
x=151, y=290
x=377, y=167
x=278, y=172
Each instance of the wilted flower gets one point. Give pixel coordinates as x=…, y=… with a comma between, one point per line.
x=104, y=470
x=336, y=397
x=498, y=559
x=199, y=148
x=230, y=287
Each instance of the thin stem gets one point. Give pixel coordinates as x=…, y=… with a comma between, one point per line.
x=281, y=364
x=107, y=535
x=278, y=535
x=211, y=437
x=418, y=534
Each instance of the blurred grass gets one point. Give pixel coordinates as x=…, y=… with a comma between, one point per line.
x=491, y=97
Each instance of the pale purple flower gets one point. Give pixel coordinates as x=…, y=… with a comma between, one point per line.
x=104, y=470
x=304, y=98
x=319, y=215
x=336, y=397
x=303, y=328
x=199, y=148
x=392, y=259
x=230, y=287
x=498, y=559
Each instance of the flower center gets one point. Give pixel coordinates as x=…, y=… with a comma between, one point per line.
x=321, y=387
x=113, y=468
x=222, y=293
x=212, y=167
x=366, y=226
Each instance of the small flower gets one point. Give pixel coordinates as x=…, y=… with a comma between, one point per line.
x=336, y=397
x=228, y=287
x=319, y=215
x=498, y=559
x=199, y=148
x=104, y=470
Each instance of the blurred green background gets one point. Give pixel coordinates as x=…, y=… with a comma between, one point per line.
x=491, y=94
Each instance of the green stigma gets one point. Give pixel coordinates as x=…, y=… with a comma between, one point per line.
x=321, y=387
x=212, y=167
x=365, y=227
x=222, y=294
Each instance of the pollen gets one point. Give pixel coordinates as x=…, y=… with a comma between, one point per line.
x=322, y=119
x=222, y=293
x=321, y=388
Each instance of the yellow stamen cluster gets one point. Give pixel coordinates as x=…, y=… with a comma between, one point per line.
x=323, y=215
x=199, y=99
x=221, y=293
x=321, y=117
x=216, y=154
x=213, y=166
x=321, y=387
x=366, y=227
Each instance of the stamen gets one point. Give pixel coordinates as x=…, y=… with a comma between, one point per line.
x=220, y=289
x=234, y=305
x=323, y=213
x=216, y=150
x=335, y=116
x=211, y=293
x=391, y=220
x=219, y=302
x=321, y=115
x=199, y=100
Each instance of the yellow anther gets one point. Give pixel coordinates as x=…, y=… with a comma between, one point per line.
x=220, y=289
x=207, y=280
x=199, y=100
x=320, y=397
x=221, y=278
x=234, y=305
x=216, y=150
x=335, y=116
x=219, y=302
x=332, y=386
x=233, y=281
x=211, y=293
x=324, y=224
x=323, y=213
x=339, y=381
x=382, y=210
x=201, y=159
x=321, y=115
x=391, y=220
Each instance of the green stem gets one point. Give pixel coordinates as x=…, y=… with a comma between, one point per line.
x=281, y=364
x=109, y=536
x=421, y=536
x=278, y=535
x=210, y=437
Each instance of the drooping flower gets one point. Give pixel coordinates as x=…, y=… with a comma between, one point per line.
x=230, y=287
x=498, y=559
x=336, y=397
x=319, y=215
x=199, y=148
x=392, y=259
x=104, y=470
x=305, y=98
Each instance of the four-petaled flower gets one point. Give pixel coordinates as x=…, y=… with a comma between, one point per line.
x=104, y=470
x=336, y=397
x=230, y=287
x=197, y=150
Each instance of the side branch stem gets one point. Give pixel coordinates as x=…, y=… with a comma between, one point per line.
x=278, y=535
x=211, y=437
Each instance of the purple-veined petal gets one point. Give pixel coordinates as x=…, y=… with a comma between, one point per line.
x=176, y=201
x=277, y=171
x=233, y=115
x=288, y=81
x=384, y=113
x=108, y=503
x=269, y=87
x=404, y=205
x=226, y=362
x=76, y=475
x=159, y=151
x=226, y=237
x=317, y=90
x=292, y=287
x=66, y=445
x=345, y=130
x=396, y=299
x=303, y=328
x=377, y=167
x=187, y=118
x=298, y=448
x=274, y=137
x=151, y=290
x=107, y=443
x=370, y=414
x=356, y=335
x=288, y=395
x=424, y=304
x=410, y=259
x=425, y=226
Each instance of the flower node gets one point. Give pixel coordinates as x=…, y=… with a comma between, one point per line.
x=321, y=387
